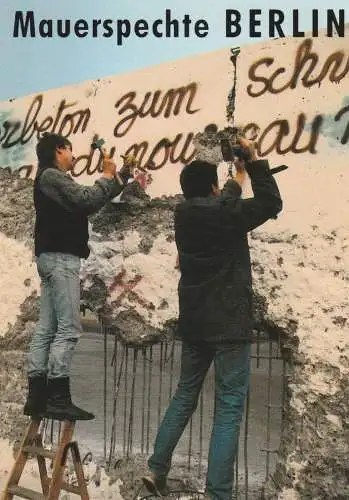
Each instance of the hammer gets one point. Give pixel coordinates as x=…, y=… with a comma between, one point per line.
x=229, y=152
x=97, y=144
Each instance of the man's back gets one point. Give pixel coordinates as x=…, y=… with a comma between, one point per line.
x=206, y=244
x=215, y=292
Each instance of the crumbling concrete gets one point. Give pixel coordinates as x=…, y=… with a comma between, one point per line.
x=308, y=294
x=301, y=296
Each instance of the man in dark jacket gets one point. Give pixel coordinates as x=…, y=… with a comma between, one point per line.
x=215, y=316
x=61, y=239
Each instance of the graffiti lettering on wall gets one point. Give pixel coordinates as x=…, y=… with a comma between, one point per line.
x=274, y=135
x=282, y=136
x=14, y=133
x=68, y=121
x=337, y=118
x=153, y=104
x=278, y=136
x=164, y=151
x=306, y=62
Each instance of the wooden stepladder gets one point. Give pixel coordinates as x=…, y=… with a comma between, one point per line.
x=51, y=487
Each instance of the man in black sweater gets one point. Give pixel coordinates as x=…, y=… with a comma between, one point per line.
x=61, y=239
x=215, y=313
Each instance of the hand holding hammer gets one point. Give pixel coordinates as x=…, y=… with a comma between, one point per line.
x=109, y=167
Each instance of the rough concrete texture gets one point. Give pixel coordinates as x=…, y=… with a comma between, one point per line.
x=307, y=284
x=301, y=295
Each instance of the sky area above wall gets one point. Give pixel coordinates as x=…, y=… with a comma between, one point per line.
x=107, y=42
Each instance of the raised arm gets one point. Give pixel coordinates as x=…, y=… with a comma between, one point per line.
x=78, y=198
x=247, y=214
x=75, y=197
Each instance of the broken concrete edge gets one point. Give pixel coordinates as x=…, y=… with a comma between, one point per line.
x=296, y=457
x=308, y=465
x=294, y=425
x=313, y=460
x=15, y=347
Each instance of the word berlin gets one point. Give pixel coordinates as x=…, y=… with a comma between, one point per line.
x=28, y=25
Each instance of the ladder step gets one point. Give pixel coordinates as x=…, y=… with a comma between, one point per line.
x=25, y=493
x=38, y=450
x=32, y=446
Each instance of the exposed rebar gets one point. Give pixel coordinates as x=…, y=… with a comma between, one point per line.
x=125, y=402
x=132, y=403
x=149, y=394
x=115, y=399
x=105, y=347
x=190, y=443
x=270, y=368
x=162, y=379
x=143, y=400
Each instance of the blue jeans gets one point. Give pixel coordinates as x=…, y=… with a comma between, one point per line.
x=232, y=374
x=59, y=327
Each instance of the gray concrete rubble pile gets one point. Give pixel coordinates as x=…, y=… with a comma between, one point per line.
x=301, y=297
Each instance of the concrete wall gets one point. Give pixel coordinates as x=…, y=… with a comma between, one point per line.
x=293, y=97
x=295, y=91
x=145, y=109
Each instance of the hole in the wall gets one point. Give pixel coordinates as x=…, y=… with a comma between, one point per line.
x=131, y=401
x=88, y=378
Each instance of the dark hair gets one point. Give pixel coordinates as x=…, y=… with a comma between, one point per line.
x=46, y=148
x=197, y=179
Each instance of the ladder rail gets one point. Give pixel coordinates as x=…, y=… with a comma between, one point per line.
x=42, y=464
x=32, y=445
x=21, y=458
x=59, y=462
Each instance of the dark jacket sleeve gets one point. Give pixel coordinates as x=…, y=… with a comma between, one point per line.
x=247, y=214
x=73, y=196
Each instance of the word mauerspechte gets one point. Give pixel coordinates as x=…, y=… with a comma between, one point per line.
x=275, y=22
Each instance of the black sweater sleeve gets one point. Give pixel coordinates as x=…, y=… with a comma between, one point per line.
x=247, y=214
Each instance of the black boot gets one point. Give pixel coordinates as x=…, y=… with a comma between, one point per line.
x=59, y=404
x=37, y=396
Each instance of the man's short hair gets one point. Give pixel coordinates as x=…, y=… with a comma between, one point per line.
x=46, y=148
x=197, y=179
